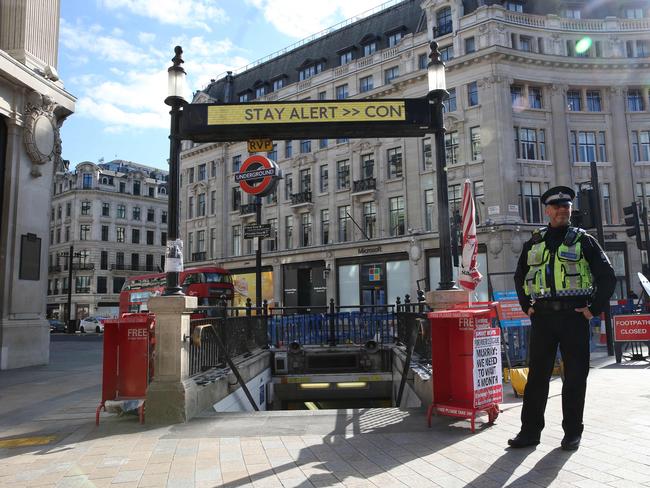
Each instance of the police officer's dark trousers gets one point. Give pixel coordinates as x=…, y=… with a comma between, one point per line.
x=569, y=330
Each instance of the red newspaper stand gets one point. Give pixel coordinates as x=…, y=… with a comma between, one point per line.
x=128, y=359
x=466, y=364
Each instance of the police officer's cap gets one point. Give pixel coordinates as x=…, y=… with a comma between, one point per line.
x=557, y=195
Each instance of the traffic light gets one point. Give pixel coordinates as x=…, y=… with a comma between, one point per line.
x=585, y=216
x=632, y=220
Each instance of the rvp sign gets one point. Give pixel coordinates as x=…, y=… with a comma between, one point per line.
x=631, y=328
x=258, y=176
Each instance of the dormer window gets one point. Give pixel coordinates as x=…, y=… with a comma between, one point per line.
x=369, y=48
x=571, y=13
x=278, y=82
x=514, y=6
x=633, y=13
x=345, y=57
x=261, y=89
x=244, y=97
x=394, y=38
x=309, y=70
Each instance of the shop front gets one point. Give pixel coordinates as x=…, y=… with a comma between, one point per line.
x=304, y=284
x=244, y=281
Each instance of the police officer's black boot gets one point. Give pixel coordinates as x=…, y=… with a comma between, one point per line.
x=571, y=442
x=523, y=440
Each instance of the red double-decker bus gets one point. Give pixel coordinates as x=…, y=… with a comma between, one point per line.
x=207, y=283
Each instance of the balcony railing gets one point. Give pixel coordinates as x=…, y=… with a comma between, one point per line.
x=301, y=198
x=82, y=289
x=367, y=184
x=54, y=269
x=199, y=256
x=126, y=267
x=247, y=208
x=83, y=266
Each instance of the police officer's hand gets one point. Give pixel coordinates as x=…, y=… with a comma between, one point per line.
x=530, y=311
x=585, y=311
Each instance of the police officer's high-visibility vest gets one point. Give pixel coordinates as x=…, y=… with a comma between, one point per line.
x=561, y=273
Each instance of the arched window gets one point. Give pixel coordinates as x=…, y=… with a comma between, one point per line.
x=443, y=22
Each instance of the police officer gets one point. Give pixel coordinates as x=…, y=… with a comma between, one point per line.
x=563, y=279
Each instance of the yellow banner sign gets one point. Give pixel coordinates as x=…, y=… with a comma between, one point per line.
x=260, y=145
x=292, y=113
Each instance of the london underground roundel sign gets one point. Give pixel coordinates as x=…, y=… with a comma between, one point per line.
x=258, y=175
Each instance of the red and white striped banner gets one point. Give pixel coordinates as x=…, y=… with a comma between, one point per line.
x=470, y=276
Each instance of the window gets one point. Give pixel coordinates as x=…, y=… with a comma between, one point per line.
x=190, y=208
x=322, y=143
x=635, y=100
x=84, y=232
x=288, y=232
x=443, y=22
x=369, y=48
x=470, y=45
x=530, y=143
x=272, y=242
x=190, y=175
x=343, y=174
x=235, y=240
x=451, y=147
x=101, y=284
x=390, y=74
x=305, y=146
x=288, y=186
x=136, y=188
x=606, y=203
x=571, y=13
x=273, y=154
x=151, y=191
x=345, y=58
x=87, y=181
x=525, y=43
x=150, y=238
x=305, y=229
x=342, y=92
x=634, y=13
x=135, y=236
x=447, y=53
x=121, y=211
x=203, y=172
x=105, y=233
x=244, y=97
x=119, y=260
x=67, y=233
x=136, y=213
x=394, y=157
x=450, y=103
x=586, y=146
x=534, y=97
x=200, y=241
x=345, y=228
x=288, y=149
x=118, y=283
x=260, y=91
x=200, y=209
x=423, y=61
x=641, y=145
x=574, y=100
x=322, y=95
x=163, y=217
x=213, y=202
x=120, y=234
x=475, y=138
x=394, y=38
x=68, y=209
x=593, y=101
x=236, y=163
x=472, y=94
x=163, y=238
x=122, y=187
x=135, y=261
x=517, y=95
x=367, y=166
x=236, y=199
x=427, y=156
x=370, y=219
x=85, y=208
x=305, y=180
x=213, y=169
x=323, y=184
x=365, y=84
x=325, y=226
x=531, y=201
x=58, y=235
x=278, y=83
x=428, y=210
x=397, y=216
x=310, y=71
x=514, y=6
x=342, y=140
x=272, y=197
x=642, y=49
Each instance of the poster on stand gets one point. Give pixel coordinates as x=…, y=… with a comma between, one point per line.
x=488, y=387
x=510, y=312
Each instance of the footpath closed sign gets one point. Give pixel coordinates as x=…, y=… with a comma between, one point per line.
x=631, y=327
x=487, y=367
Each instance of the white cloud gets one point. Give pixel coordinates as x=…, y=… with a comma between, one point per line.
x=146, y=37
x=186, y=13
x=78, y=37
x=297, y=19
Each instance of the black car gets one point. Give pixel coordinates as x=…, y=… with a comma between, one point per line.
x=56, y=326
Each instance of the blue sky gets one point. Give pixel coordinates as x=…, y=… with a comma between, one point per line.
x=114, y=55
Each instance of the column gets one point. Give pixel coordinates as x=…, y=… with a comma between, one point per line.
x=620, y=137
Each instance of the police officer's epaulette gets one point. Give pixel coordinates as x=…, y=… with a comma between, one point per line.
x=573, y=235
x=538, y=235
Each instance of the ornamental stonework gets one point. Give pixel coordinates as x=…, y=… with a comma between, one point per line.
x=41, y=133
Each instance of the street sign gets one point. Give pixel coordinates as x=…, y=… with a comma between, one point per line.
x=258, y=175
x=260, y=145
x=219, y=122
x=631, y=327
x=257, y=230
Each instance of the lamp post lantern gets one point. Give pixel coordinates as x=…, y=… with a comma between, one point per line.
x=174, y=257
x=438, y=93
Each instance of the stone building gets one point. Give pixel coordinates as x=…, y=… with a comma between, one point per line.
x=537, y=90
x=113, y=216
x=33, y=107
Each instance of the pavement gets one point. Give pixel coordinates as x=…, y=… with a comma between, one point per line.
x=48, y=438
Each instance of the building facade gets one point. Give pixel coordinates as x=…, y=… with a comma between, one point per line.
x=112, y=217
x=537, y=90
x=33, y=107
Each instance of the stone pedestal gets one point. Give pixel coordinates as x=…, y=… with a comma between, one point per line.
x=171, y=396
x=446, y=299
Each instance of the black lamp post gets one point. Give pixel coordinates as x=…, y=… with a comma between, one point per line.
x=437, y=93
x=175, y=89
